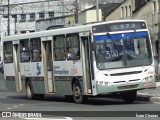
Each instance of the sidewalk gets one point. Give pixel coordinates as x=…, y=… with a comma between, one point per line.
x=150, y=94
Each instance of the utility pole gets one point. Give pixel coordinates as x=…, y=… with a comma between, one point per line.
x=158, y=48
x=8, y=18
x=97, y=10
x=159, y=23
x=76, y=11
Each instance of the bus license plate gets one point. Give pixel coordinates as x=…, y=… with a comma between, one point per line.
x=147, y=84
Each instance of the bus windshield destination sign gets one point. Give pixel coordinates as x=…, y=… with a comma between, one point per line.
x=119, y=27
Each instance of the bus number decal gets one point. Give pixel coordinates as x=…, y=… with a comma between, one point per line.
x=74, y=70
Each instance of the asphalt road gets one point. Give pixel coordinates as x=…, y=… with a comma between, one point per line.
x=95, y=108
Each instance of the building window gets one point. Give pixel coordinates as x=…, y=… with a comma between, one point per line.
x=126, y=11
x=32, y=16
x=32, y=31
x=23, y=32
x=154, y=7
x=36, y=49
x=59, y=47
x=8, y=52
x=129, y=11
x=14, y=16
x=41, y=15
x=51, y=14
x=24, y=50
x=23, y=18
x=121, y=12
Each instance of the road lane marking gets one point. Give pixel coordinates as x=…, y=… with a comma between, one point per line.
x=56, y=118
x=16, y=106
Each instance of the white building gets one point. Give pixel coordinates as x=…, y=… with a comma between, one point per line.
x=26, y=12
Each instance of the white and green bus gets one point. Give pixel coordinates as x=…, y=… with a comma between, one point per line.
x=84, y=61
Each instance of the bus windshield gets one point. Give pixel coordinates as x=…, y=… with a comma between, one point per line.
x=122, y=50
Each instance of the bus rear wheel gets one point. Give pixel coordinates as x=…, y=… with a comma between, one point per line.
x=30, y=92
x=129, y=97
x=77, y=93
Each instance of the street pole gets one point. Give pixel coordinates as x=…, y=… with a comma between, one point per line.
x=158, y=48
x=76, y=11
x=8, y=19
x=159, y=23
x=97, y=10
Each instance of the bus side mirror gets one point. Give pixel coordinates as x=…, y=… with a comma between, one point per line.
x=93, y=46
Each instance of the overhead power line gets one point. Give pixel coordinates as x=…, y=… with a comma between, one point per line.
x=29, y=3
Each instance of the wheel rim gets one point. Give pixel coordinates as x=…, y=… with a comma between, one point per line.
x=29, y=91
x=77, y=92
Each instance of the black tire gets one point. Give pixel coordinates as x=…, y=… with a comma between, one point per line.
x=69, y=98
x=39, y=96
x=30, y=92
x=77, y=93
x=129, y=97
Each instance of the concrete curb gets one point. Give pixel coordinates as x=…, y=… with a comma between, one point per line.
x=141, y=97
x=155, y=99
x=149, y=95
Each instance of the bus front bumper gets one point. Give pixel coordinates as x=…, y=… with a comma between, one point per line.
x=109, y=88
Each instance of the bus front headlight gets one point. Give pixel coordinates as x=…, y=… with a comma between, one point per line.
x=151, y=77
x=146, y=79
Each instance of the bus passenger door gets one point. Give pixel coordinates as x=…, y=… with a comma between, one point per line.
x=16, y=60
x=86, y=59
x=48, y=66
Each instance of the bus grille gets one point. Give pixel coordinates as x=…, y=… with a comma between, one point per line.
x=134, y=80
x=128, y=87
x=125, y=73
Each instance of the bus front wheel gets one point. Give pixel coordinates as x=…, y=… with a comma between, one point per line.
x=77, y=93
x=129, y=97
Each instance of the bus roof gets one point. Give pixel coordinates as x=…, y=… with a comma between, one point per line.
x=68, y=30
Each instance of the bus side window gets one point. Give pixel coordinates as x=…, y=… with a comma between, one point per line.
x=24, y=50
x=59, y=47
x=36, y=49
x=73, y=47
x=8, y=52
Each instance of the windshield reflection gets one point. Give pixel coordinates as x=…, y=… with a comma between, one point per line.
x=122, y=50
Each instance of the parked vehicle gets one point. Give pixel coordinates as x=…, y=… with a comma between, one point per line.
x=1, y=66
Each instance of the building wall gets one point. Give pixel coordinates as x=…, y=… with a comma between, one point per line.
x=120, y=12
x=150, y=13
x=44, y=24
x=89, y=16
x=70, y=21
x=85, y=4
